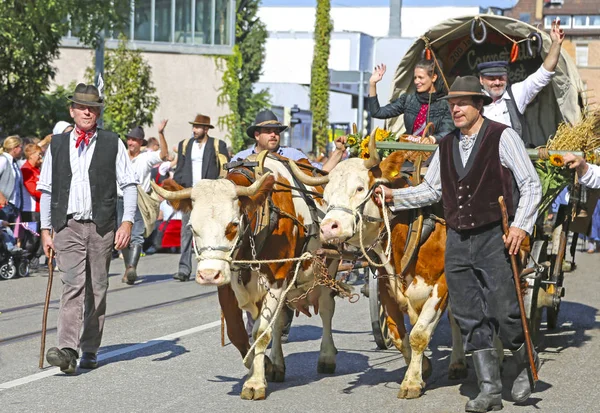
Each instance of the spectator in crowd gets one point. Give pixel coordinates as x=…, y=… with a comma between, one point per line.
x=153, y=145
x=11, y=179
x=31, y=198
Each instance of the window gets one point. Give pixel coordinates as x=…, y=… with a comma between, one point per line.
x=204, y=23
x=142, y=18
x=581, y=55
x=579, y=21
x=183, y=21
x=594, y=21
x=565, y=21
x=525, y=17
x=222, y=22
x=162, y=21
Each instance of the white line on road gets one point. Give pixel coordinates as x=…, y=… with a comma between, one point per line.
x=111, y=354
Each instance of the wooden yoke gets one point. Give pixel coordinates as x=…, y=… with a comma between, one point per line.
x=415, y=227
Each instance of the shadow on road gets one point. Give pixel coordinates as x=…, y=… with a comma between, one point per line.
x=171, y=347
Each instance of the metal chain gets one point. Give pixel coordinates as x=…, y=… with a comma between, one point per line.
x=254, y=266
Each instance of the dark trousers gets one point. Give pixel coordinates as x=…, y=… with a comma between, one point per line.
x=185, y=261
x=482, y=291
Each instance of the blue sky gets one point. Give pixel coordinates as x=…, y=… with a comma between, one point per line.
x=382, y=3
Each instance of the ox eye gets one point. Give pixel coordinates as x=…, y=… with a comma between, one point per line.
x=360, y=189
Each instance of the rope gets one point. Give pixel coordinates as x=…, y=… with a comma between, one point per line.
x=386, y=221
x=304, y=257
x=447, y=34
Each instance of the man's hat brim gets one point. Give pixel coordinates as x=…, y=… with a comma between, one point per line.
x=85, y=102
x=144, y=141
x=451, y=95
x=202, y=124
x=252, y=128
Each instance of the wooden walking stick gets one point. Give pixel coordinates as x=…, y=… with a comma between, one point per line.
x=222, y=329
x=46, y=305
x=517, y=278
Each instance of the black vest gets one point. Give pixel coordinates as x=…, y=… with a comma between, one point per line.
x=518, y=122
x=103, y=180
x=183, y=174
x=470, y=193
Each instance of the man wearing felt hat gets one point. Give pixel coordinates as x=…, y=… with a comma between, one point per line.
x=475, y=164
x=142, y=163
x=510, y=101
x=79, y=181
x=266, y=130
x=198, y=158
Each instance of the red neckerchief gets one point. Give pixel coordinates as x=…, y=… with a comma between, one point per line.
x=83, y=136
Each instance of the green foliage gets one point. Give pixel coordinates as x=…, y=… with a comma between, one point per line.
x=130, y=95
x=319, y=84
x=250, y=37
x=29, y=41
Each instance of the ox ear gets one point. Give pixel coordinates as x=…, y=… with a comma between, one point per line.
x=390, y=166
x=251, y=203
x=183, y=205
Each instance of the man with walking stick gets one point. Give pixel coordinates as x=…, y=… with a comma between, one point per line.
x=78, y=182
x=474, y=165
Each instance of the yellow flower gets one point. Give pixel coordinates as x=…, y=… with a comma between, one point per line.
x=365, y=155
x=557, y=160
x=351, y=140
x=381, y=135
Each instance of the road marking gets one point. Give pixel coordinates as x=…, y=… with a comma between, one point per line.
x=111, y=354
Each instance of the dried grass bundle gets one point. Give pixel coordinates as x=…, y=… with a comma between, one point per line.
x=583, y=136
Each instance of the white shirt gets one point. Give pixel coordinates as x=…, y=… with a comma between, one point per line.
x=142, y=166
x=524, y=92
x=6, y=161
x=591, y=179
x=167, y=211
x=80, y=195
x=197, y=160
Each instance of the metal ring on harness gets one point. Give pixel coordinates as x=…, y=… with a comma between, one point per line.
x=534, y=37
x=483, y=29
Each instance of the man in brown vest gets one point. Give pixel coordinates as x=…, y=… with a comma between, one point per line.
x=473, y=166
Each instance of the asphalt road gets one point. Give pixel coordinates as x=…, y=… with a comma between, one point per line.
x=161, y=353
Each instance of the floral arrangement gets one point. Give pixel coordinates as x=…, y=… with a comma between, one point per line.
x=583, y=136
x=554, y=176
x=359, y=147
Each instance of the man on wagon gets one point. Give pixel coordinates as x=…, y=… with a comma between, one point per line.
x=510, y=101
x=475, y=164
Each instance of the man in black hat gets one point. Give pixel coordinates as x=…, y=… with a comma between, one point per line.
x=78, y=181
x=266, y=130
x=473, y=166
x=510, y=101
x=142, y=163
x=200, y=157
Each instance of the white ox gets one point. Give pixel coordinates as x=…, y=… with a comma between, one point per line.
x=422, y=292
x=223, y=216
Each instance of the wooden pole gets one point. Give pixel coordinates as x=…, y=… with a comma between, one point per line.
x=46, y=305
x=517, y=278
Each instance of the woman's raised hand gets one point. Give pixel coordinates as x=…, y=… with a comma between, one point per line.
x=378, y=73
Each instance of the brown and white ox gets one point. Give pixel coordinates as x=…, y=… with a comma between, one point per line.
x=422, y=293
x=222, y=218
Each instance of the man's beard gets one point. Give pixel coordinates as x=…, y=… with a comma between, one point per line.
x=493, y=93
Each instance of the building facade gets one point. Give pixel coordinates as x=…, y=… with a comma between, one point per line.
x=183, y=41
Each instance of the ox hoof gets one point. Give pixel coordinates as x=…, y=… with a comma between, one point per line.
x=457, y=371
x=325, y=368
x=273, y=372
x=254, y=391
x=426, y=368
x=410, y=390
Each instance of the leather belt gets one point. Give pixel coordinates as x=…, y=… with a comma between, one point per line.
x=72, y=216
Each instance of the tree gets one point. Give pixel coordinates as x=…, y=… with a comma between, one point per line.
x=238, y=81
x=29, y=42
x=319, y=84
x=130, y=95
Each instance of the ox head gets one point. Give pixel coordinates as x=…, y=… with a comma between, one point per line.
x=349, y=191
x=217, y=221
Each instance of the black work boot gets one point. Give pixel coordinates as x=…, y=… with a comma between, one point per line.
x=88, y=361
x=65, y=358
x=131, y=262
x=521, y=389
x=487, y=368
x=126, y=257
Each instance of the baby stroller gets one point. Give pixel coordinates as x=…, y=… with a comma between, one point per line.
x=14, y=261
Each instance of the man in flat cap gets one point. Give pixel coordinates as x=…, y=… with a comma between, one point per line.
x=78, y=181
x=142, y=162
x=197, y=158
x=475, y=164
x=510, y=101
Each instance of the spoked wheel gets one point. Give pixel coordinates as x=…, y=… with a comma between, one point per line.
x=534, y=313
x=23, y=267
x=8, y=271
x=378, y=316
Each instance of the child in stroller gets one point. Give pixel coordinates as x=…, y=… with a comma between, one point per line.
x=13, y=260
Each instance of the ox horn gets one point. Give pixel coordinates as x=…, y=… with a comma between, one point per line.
x=252, y=189
x=308, y=179
x=185, y=193
x=374, y=155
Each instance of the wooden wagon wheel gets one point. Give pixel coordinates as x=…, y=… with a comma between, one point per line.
x=534, y=284
x=378, y=316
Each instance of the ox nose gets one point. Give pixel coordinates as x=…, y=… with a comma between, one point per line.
x=209, y=277
x=330, y=229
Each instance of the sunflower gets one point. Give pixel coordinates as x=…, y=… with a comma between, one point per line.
x=557, y=160
x=351, y=140
x=365, y=155
x=381, y=135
